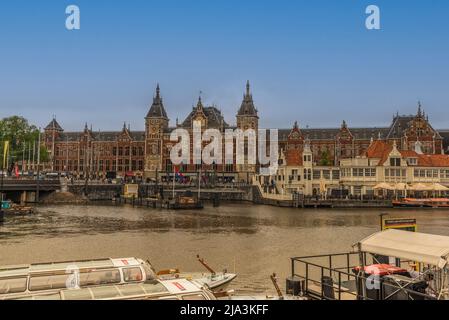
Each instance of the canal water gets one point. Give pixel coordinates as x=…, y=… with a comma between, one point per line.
x=255, y=241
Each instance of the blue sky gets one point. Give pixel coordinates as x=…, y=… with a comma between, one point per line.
x=311, y=61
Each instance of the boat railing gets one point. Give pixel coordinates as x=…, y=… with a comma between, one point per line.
x=331, y=277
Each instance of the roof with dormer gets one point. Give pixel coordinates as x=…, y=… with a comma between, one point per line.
x=381, y=150
x=215, y=118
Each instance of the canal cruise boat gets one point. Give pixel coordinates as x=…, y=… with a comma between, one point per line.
x=175, y=289
x=51, y=278
x=436, y=203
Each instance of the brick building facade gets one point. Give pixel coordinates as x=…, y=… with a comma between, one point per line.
x=147, y=153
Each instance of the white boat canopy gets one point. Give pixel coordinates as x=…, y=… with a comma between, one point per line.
x=419, y=247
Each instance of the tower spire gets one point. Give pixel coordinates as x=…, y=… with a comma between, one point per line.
x=248, y=88
x=199, y=105
x=419, y=109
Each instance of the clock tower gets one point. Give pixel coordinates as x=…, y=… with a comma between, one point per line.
x=156, y=122
x=247, y=118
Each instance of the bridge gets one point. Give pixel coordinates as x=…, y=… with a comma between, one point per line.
x=26, y=190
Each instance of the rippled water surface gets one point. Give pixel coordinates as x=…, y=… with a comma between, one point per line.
x=255, y=241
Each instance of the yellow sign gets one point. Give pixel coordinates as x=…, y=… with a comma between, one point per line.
x=5, y=153
x=400, y=224
x=131, y=190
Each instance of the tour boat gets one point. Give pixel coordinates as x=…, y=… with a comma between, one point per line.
x=50, y=278
x=186, y=203
x=216, y=282
x=175, y=289
x=422, y=203
x=47, y=278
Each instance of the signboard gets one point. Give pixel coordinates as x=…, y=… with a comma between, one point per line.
x=131, y=190
x=400, y=224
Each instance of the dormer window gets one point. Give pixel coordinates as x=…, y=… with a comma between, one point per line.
x=412, y=161
x=395, y=162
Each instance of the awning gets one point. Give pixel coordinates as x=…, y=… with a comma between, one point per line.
x=419, y=247
x=401, y=186
x=421, y=187
x=384, y=186
x=439, y=187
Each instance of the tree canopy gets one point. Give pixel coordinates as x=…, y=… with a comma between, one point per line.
x=21, y=136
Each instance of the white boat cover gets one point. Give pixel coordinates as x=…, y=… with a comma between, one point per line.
x=419, y=247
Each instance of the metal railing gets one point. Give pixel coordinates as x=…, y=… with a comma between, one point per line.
x=332, y=280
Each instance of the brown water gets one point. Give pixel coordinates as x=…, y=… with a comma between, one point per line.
x=255, y=240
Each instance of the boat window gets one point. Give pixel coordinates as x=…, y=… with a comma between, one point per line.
x=194, y=297
x=98, y=277
x=132, y=274
x=13, y=285
x=48, y=282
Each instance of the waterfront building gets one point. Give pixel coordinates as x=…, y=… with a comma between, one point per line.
x=383, y=169
x=147, y=153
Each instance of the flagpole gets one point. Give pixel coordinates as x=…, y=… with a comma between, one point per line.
x=3, y=173
x=199, y=185
x=174, y=176
x=38, y=165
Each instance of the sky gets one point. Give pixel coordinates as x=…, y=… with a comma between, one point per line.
x=310, y=61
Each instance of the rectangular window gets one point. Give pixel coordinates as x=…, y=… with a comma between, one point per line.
x=48, y=282
x=395, y=162
x=335, y=175
x=15, y=285
x=99, y=277
x=132, y=275
x=316, y=174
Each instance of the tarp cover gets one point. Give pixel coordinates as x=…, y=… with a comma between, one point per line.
x=419, y=247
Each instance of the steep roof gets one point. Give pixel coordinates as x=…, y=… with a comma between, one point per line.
x=214, y=117
x=293, y=157
x=332, y=133
x=157, y=109
x=381, y=150
x=104, y=136
x=54, y=125
x=247, y=108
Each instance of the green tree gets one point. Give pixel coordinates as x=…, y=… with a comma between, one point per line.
x=325, y=159
x=21, y=135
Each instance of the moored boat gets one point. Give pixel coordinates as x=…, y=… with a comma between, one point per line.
x=186, y=203
x=216, y=282
x=50, y=278
x=422, y=203
x=175, y=289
